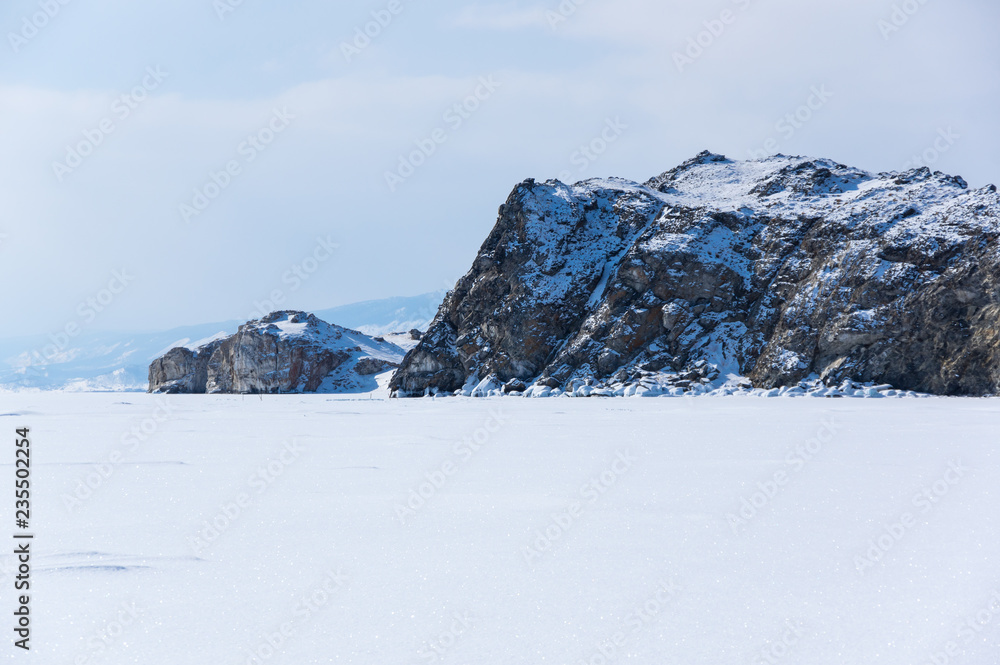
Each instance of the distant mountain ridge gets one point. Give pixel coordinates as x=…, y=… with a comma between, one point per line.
x=389, y=315
x=119, y=361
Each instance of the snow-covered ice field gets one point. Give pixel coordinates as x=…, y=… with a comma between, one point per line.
x=292, y=530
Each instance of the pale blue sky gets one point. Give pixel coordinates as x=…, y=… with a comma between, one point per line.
x=609, y=68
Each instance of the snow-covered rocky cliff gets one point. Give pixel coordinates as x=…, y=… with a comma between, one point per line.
x=118, y=361
x=774, y=273
x=285, y=352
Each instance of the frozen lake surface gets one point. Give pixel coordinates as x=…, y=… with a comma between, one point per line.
x=223, y=530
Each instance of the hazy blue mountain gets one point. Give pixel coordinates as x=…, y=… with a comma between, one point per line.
x=119, y=361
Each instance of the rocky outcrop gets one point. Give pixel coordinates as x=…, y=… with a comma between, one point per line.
x=285, y=352
x=369, y=366
x=181, y=370
x=718, y=272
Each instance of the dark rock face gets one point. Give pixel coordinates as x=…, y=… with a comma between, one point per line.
x=263, y=363
x=181, y=370
x=777, y=270
x=285, y=352
x=369, y=366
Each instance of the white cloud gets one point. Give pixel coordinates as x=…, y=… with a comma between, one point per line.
x=610, y=58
